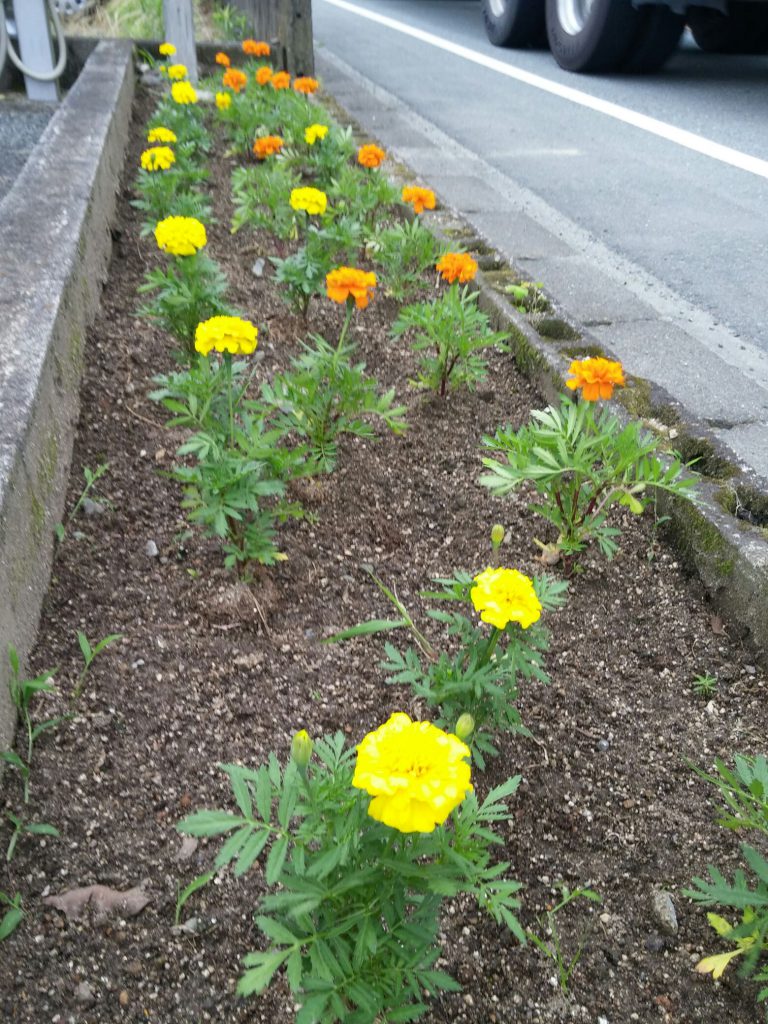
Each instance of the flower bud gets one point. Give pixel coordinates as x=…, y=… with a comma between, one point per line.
x=301, y=749
x=497, y=536
x=464, y=727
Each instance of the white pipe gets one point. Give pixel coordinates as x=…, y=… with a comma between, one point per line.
x=7, y=46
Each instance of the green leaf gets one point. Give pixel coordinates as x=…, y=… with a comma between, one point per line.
x=12, y=918
x=276, y=859
x=189, y=890
x=209, y=823
x=42, y=828
x=262, y=967
x=250, y=851
x=85, y=647
x=366, y=629
x=275, y=931
x=264, y=795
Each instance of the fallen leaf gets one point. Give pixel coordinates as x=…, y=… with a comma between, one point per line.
x=717, y=625
x=102, y=900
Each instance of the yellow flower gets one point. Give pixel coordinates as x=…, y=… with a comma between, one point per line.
x=167, y=49
x=310, y=199
x=183, y=93
x=226, y=334
x=505, y=595
x=301, y=748
x=315, y=132
x=223, y=100
x=415, y=772
x=159, y=158
x=177, y=71
x=161, y=135
x=596, y=378
x=180, y=236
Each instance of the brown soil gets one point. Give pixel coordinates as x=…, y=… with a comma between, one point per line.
x=210, y=670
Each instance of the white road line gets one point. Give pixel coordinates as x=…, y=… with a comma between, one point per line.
x=681, y=137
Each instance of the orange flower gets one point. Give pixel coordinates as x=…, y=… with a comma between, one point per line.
x=306, y=85
x=223, y=59
x=596, y=377
x=267, y=145
x=348, y=283
x=255, y=48
x=371, y=156
x=264, y=75
x=235, y=79
x=421, y=198
x=456, y=266
x=281, y=80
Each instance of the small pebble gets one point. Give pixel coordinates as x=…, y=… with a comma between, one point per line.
x=92, y=508
x=603, y=745
x=258, y=267
x=663, y=911
x=123, y=998
x=150, y=549
x=84, y=994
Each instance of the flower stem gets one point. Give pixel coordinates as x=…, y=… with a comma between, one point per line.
x=228, y=368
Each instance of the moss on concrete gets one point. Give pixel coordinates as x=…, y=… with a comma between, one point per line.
x=554, y=329
x=636, y=398
x=705, y=457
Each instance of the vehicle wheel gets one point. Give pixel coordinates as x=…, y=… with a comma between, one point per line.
x=592, y=35
x=516, y=23
x=743, y=30
x=657, y=41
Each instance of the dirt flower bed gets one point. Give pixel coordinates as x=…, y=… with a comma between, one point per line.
x=210, y=670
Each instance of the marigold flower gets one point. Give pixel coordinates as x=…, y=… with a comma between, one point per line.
x=267, y=145
x=416, y=773
x=180, y=236
x=177, y=71
x=348, y=283
x=256, y=48
x=420, y=198
x=159, y=158
x=223, y=59
x=226, y=334
x=223, y=100
x=301, y=748
x=281, y=80
x=161, y=135
x=371, y=156
x=166, y=49
x=456, y=266
x=264, y=75
x=310, y=199
x=235, y=79
x=596, y=378
x=315, y=132
x=505, y=595
x=183, y=93
x=305, y=85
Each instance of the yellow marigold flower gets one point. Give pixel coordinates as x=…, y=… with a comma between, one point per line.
x=371, y=156
x=305, y=85
x=161, y=135
x=310, y=199
x=281, y=80
x=177, y=71
x=264, y=75
x=505, y=595
x=415, y=772
x=267, y=145
x=166, y=49
x=226, y=334
x=596, y=378
x=180, y=236
x=223, y=100
x=235, y=79
x=456, y=266
x=420, y=198
x=223, y=59
x=301, y=748
x=159, y=158
x=256, y=48
x=315, y=132
x=183, y=93
x=348, y=283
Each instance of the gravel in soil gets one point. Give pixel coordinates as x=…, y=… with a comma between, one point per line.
x=212, y=670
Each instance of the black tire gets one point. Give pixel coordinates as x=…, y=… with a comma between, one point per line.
x=743, y=30
x=516, y=23
x=605, y=40
x=657, y=41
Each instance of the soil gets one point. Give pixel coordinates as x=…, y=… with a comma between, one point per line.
x=212, y=670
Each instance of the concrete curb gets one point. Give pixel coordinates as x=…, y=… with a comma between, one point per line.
x=730, y=556
x=55, y=246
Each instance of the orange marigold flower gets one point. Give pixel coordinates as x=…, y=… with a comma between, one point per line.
x=348, y=283
x=264, y=75
x=256, y=48
x=595, y=377
x=235, y=79
x=420, y=198
x=371, y=156
x=456, y=266
x=267, y=145
x=223, y=59
x=281, y=80
x=306, y=85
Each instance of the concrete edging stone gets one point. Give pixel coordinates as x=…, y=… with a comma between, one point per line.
x=55, y=246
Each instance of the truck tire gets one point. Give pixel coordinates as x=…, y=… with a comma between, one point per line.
x=743, y=30
x=592, y=35
x=657, y=41
x=516, y=23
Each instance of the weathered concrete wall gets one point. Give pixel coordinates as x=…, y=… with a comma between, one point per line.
x=55, y=245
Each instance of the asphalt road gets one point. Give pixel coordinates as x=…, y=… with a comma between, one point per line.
x=682, y=216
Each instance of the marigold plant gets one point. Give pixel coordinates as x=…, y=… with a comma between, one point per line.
x=223, y=100
x=456, y=266
x=166, y=49
x=180, y=236
x=160, y=134
x=177, y=72
x=371, y=156
x=306, y=85
x=595, y=378
x=183, y=93
x=264, y=75
x=502, y=596
x=234, y=79
x=420, y=199
x=345, y=283
x=281, y=80
x=226, y=334
x=159, y=158
x=312, y=200
x=267, y=145
x=315, y=132
x=222, y=59
x=256, y=48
